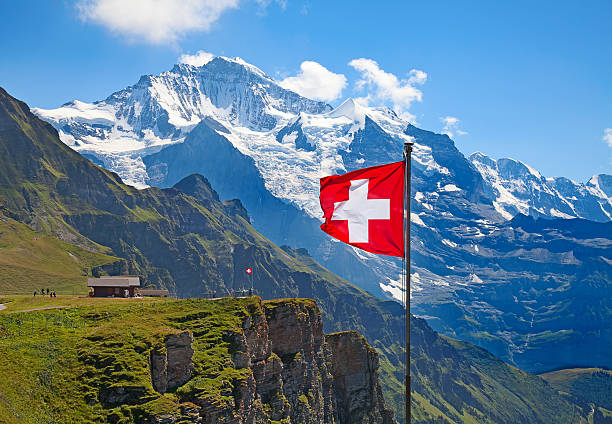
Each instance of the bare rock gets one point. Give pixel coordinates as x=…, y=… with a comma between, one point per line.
x=171, y=363
x=357, y=389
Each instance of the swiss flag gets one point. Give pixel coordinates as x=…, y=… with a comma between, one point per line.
x=365, y=208
x=249, y=270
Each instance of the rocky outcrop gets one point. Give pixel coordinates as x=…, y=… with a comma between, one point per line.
x=297, y=376
x=171, y=363
x=357, y=390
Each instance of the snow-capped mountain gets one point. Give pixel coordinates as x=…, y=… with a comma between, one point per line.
x=518, y=188
x=269, y=146
x=161, y=110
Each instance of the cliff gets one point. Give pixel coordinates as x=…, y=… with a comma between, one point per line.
x=299, y=375
x=238, y=361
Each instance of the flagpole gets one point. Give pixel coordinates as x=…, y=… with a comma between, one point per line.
x=407, y=194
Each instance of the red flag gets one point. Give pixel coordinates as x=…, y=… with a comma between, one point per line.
x=365, y=208
x=249, y=270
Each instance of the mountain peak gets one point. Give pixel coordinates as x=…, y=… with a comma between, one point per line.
x=517, y=187
x=603, y=183
x=511, y=168
x=219, y=61
x=198, y=186
x=349, y=109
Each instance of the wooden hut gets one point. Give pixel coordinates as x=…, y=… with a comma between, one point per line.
x=114, y=286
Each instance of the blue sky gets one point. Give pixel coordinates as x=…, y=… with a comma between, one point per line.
x=528, y=80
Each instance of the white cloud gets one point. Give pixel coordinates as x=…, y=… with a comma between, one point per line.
x=316, y=82
x=201, y=58
x=386, y=87
x=451, y=124
x=265, y=3
x=607, y=137
x=449, y=121
x=154, y=21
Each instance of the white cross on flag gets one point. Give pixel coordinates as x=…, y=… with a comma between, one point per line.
x=365, y=208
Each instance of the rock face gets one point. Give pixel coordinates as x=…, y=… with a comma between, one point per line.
x=357, y=390
x=297, y=376
x=171, y=364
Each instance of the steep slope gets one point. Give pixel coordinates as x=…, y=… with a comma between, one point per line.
x=205, y=148
x=457, y=382
x=160, y=110
x=31, y=261
x=588, y=385
x=518, y=188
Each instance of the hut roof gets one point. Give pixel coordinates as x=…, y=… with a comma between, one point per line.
x=114, y=282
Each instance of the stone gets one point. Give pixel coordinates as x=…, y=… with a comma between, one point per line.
x=356, y=386
x=171, y=364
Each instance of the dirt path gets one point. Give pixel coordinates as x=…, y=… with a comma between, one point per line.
x=39, y=309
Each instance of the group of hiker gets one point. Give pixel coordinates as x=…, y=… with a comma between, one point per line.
x=212, y=294
x=48, y=293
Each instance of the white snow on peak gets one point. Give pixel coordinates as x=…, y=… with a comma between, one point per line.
x=514, y=191
x=161, y=109
x=350, y=109
x=247, y=65
x=85, y=112
x=533, y=171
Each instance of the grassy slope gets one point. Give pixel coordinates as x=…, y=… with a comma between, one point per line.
x=70, y=357
x=592, y=385
x=457, y=382
x=31, y=261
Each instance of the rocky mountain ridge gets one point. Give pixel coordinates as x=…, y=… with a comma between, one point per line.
x=518, y=188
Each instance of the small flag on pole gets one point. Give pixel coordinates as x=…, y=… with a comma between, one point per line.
x=249, y=271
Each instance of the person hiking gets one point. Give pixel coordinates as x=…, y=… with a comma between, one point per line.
x=214, y=294
x=35, y=293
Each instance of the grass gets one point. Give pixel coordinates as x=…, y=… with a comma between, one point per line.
x=57, y=364
x=18, y=303
x=31, y=261
x=592, y=385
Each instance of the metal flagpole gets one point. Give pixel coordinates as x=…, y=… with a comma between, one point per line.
x=407, y=194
